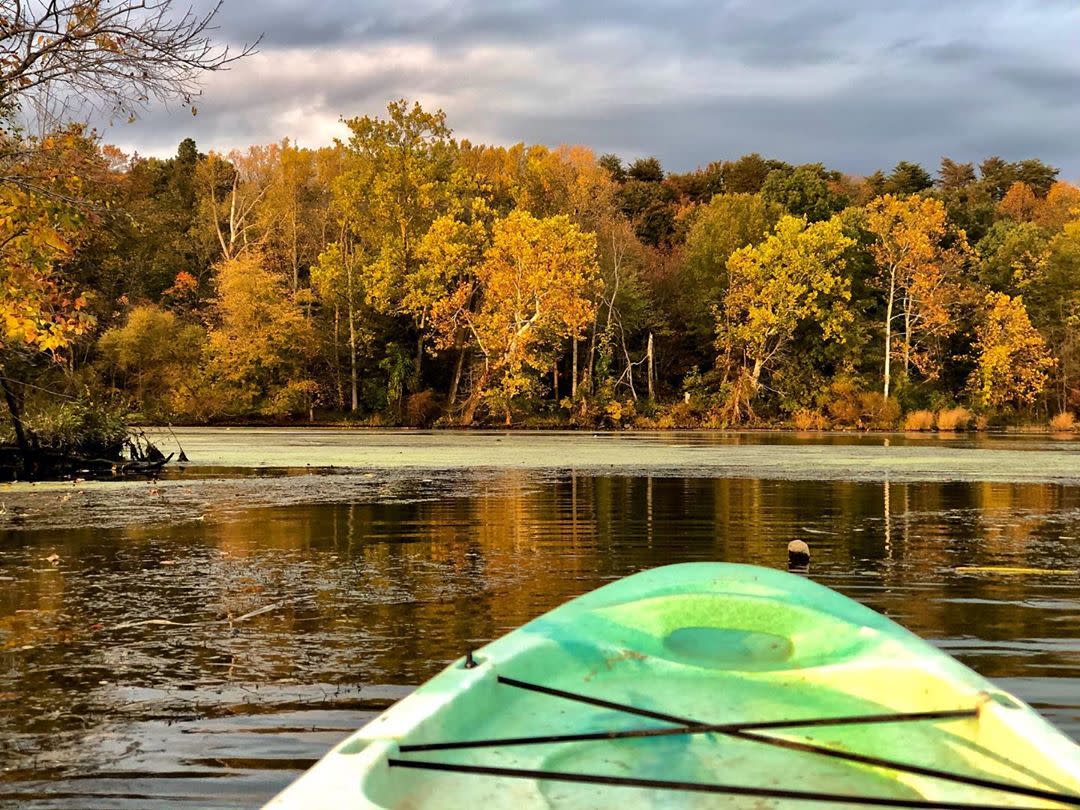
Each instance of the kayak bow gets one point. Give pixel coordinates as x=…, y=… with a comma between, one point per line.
x=702, y=685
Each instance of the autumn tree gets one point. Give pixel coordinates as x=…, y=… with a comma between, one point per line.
x=917, y=256
x=260, y=343
x=794, y=278
x=727, y=223
x=450, y=254
x=41, y=313
x=1062, y=204
x=1019, y=203
x=154, y=357
x=290, y=215
x=535, y=288
x=337, y=277
x=403, y=163
x=1012, y=361
x=230, y=190
x=114, y=54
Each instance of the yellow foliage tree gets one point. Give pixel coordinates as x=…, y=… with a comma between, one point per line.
x=918, y=256
x=154, y=356
x=794, y=277
x=1013, y=363
x=536, y=286
x=40, y=227
x=261, y=341
x=1061, y=205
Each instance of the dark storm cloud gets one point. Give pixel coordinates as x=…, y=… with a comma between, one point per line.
x=856, y=84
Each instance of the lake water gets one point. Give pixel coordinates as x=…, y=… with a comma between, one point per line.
x=201, y=639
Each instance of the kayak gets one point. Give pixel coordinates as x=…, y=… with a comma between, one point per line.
x=701, y=685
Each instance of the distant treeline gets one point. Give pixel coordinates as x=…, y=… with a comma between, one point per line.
x=403, y=277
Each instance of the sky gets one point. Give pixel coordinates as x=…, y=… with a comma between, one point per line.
x=855, y=84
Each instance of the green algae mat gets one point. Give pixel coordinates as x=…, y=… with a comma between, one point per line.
x=701, y=685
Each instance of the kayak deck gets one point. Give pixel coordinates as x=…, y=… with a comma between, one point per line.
x=699, y=643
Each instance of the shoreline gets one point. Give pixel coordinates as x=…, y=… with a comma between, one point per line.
x=568, y=427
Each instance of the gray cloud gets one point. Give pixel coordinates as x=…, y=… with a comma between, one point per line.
x=856, y=85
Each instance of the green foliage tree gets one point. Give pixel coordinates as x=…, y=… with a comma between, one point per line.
x=394, y=188
x=646, y=170
x=803, y=192
x=907, y=178
x=747, y=175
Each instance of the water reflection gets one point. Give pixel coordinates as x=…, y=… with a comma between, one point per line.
x=133, y=675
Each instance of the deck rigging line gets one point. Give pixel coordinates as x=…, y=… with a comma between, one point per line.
x=742, y=731
x=696, y=728
x=694, y=787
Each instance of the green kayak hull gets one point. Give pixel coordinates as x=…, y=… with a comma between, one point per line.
x=694, y=644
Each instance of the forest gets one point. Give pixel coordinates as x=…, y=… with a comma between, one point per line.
x=403, y=277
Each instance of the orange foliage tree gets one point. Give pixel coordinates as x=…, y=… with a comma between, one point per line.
x=918, y=255
x=536, y=286
x=1019, y=203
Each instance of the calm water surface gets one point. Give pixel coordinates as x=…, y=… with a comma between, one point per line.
x=201, y=640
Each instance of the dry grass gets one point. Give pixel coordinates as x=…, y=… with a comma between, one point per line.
x=957, y=418
x=421, y=409
x=878, y=412
x=1064, y=422
x=843, y=406
x=919, y=420
x=809, y=420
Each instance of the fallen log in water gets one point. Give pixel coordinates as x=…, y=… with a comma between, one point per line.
x=137, y=456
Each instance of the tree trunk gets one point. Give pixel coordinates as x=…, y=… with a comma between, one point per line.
x=649, y=354
x=295, y=254
x=473, y=402
x=456, y=382
x=337, y=358
x=353, y=379
x=888, y=333
x=907, y=337
x=755, y=375
x=573, y=372
x=555, y=380
x=17, y=425
x=588, y=373
x=418, y=375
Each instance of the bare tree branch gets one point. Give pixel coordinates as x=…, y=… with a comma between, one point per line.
x=111, y=56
